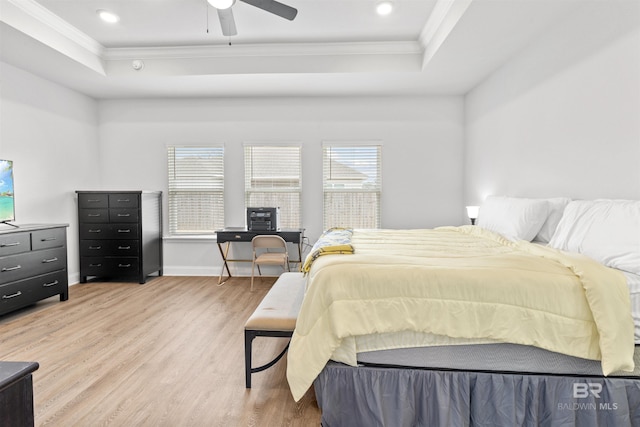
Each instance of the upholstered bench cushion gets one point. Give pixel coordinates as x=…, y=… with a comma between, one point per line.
x=279, y=309
x=275, y=317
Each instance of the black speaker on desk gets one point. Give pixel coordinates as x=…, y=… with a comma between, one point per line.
x=262, y=219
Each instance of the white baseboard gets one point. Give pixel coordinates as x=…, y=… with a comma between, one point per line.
x=236, y=271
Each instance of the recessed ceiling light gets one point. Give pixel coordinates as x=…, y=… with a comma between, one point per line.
x=384, y=7
x=221, y=4
x=107, y=16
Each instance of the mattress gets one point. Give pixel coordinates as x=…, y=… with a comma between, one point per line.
x=502, y=357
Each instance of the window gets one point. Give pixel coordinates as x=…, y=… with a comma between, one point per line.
x=351, y=185
x=273, y=178
x=196, y=189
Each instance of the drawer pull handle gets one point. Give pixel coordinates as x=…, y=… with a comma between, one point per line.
x=95, y=265
x=94, y=215
x=95, y=231
x=237, y=236
x=124, y=231
x=48, y=239
x=123, y=200
x=46, y=285
x=93, y=200
x=6, y=245
x=46, y=261
x=124, y=265
x=95, y=247
x=17, y=294
x=17, y=267
x=124, y=215
x=124, y=248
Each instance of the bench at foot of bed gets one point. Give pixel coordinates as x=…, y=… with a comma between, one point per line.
x=275, y=316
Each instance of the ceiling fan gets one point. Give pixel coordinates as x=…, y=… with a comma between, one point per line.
x=225, y=14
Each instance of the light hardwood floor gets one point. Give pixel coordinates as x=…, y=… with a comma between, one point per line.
x=166, y=353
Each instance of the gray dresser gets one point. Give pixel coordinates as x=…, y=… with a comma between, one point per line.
x=33, y=265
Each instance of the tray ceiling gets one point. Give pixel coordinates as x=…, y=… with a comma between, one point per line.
x=175, y=48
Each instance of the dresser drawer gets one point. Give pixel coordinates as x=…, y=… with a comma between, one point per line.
x=49, y=284
x=94, y=266
x=124, y=248
x=102, y=266
x=15, y=243
x=23, y=292
x=124, y=266
x=108, y=231
x=93, y=215
x=94, y=231
x=123, y=200
x=94, y=248
x=93, y=200
x=100, y=248
x=123, y=215
x=123, y=231
x=17, y=267
x=13, y=296
x=48, y=238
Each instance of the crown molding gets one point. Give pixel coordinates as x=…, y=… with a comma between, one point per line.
x=265, y=50
x=32, y=19
x=443, y=19
x=33, y=9
x=300, y=58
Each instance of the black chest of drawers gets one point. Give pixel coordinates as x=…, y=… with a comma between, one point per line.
x=120, y=234
x=33, y=265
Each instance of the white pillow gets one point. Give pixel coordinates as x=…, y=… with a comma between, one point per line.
x=556, y=208
x=513, y=217
x=605, y=230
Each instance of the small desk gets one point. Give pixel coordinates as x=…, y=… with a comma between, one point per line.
x=240, y=234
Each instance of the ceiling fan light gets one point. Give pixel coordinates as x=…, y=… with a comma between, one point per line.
x=221, y=4
x=384, y=7
x=107, y=16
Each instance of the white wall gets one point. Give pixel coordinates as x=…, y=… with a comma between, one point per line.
x=422, y=154
x=50, y=133
x=563, y=117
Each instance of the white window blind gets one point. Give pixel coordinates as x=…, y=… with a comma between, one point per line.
x=273, y=178
x=196, y=189
x=352, y=185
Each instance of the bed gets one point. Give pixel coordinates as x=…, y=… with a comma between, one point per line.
x=525, y=319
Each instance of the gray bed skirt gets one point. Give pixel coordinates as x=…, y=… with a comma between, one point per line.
x=394, y=397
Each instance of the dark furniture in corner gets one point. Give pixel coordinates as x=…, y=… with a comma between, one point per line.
x=120, y=234
x=33, y=265
x=16, y=393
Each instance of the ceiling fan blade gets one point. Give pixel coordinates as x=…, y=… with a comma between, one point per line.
x=227, y=23
x=277, y=8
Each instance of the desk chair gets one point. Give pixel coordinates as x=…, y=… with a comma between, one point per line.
x=262, y=256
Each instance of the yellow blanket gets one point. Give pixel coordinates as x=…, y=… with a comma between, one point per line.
x=332, y=242
x=461, y=282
